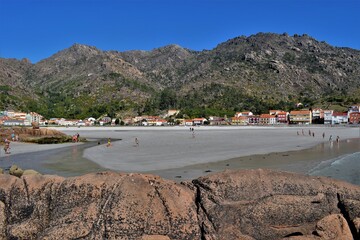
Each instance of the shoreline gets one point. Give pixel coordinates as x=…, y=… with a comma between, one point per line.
x=160, y=150
x=172, y=152
x=301, y=161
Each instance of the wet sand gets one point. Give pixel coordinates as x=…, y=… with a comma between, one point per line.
x=174, y=153
x=61, y=159
x=300, y=161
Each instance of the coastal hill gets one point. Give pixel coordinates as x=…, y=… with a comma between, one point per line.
x=255, y=73
x=246, y=204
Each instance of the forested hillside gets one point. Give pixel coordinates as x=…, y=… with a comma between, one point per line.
x=253, y=73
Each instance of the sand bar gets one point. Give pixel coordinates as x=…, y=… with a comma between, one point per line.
x=163, y=148
x=177, y=153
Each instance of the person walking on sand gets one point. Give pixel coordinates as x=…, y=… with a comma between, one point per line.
x=136, y=142
x=323, y=135
x=330, y=138
x=108, y=143
x=337, y=139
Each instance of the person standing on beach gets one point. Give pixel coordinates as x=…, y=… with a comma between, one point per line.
x=7, y=146
x=330, y=138
x=323, y=135
x=136, y=142
x=108, y=143
x=337, y=139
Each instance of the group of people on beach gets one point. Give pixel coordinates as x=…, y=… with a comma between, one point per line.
x=109, y=142
x=310, y=133
x=313, y=135
x=330, y=138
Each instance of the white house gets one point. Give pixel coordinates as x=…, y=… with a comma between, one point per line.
x=328, y=116
x=13, y=122
x=34, y=117
x=199, y=121
x=339, y=118
x=66, y=122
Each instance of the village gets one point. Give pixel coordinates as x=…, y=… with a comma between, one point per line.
x=273, y=117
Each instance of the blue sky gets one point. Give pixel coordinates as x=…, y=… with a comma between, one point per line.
x=36, y=29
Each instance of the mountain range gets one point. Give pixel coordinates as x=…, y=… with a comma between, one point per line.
x=255, y=73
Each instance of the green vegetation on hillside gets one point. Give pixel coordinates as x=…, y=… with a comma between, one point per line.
x=256, y=73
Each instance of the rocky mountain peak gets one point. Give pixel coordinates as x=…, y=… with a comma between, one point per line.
x=74, y=53
x=259, y=68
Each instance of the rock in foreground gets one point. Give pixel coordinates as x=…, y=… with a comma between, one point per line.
x=251, y=204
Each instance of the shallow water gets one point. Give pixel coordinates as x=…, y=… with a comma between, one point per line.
x=67, y=161
x=337, y=160
x=332, y=159
x=346, y=167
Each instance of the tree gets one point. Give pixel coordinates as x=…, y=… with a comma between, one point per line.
x=167, y=99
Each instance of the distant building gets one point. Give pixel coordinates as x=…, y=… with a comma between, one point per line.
x=253, y=119
x=328, y=116
x=317, y=116
x=353, y=109
x=34, y=117
x=339, y=118
x=242, y=120
x=199, y=121
x=215, y=121
x=14, y=122
x=188, y=122
x=282, y=117
x=354, y=118
x=301, y=117
x=267, y=119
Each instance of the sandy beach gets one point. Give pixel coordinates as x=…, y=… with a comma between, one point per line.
x=176, y=152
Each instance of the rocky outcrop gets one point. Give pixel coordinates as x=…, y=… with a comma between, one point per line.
x=271, y=205
x=252, y=204
x=28, y=132
x=39, y=135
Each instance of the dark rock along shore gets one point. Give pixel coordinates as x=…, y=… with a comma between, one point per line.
x=245, y=204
